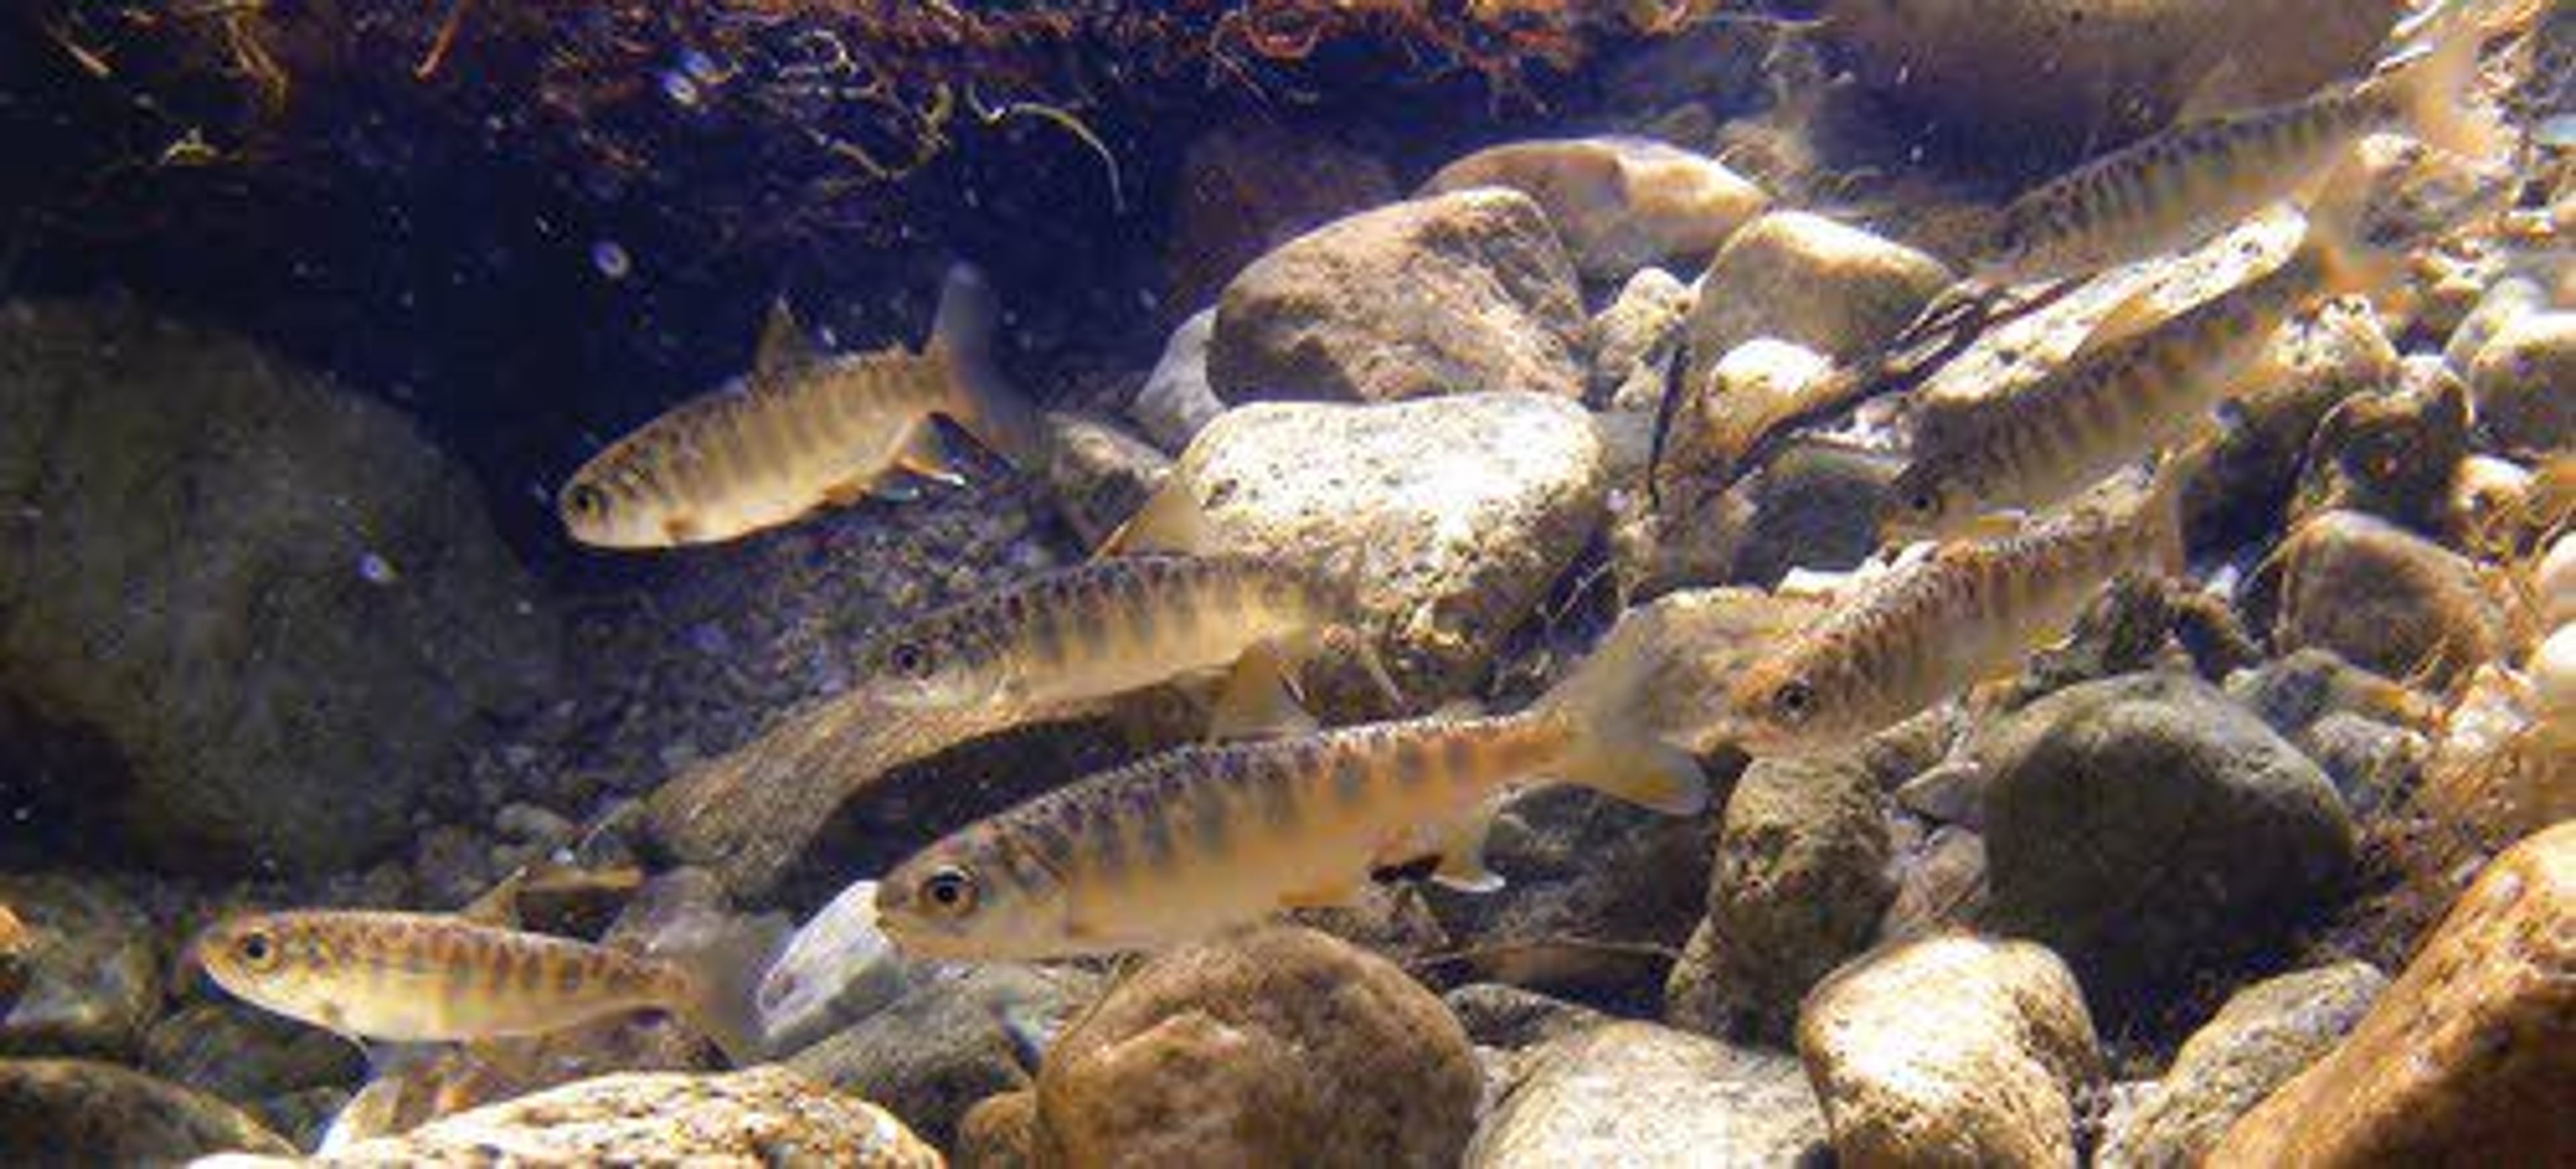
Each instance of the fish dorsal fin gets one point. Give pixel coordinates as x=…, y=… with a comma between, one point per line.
x=784, y=344
x=1170, y=521
x=2135, y=314
x=499, y=905
x=2218, y=91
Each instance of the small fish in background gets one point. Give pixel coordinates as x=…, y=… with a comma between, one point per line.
x=441, y=978
x=1115, y=625
x=837, y=968
x=2136, y=383
x=1206, y=838
x=2169, y=191
x=1932, y=627
x=810, y=430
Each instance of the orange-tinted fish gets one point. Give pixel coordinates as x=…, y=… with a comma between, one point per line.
x=809, y=430
x=2172, y=190
x=2136, y=385
x=1116, y=625
x=415, y=977
x=1210, y=837
x=1931, y=628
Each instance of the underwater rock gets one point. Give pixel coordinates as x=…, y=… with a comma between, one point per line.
x=1176, y=402
x=1815, y=506
x=1510, y=1018
x=2465, y=1058
x=1454, y=515
x=1748, y=392
x=2337, y=353
x=92, y=979
x=1950, y=1050
x=81, y=1112
x=757, y=1116
x=1810, y=281
x=2265, y=1034
x=2373, y=765
x=1618, y=203
x=1631, y=1093
x=1250, y=186
x=2038, y=77
x=2396, y=455
x=952, y=1040
x=836, y=969
x=2510, y=298
x=243, y=1054
x=2384, y=599
x=2524, y=385
x=1100, y=474
x=1799, y=882
x=1275, y=1046
x=2293, y=691
x=2151, y=831
x=1634, y=338
x=253, y=588
x=1595, y=892
x=1940, y=885
x=1455, y=293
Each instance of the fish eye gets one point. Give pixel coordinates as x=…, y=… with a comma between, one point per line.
x=909, y=660
x=257, y=949
x=586, y=500
x=1793, y=701
x=950, y=891
x=1921, y=501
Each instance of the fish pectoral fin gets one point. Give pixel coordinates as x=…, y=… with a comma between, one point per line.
x=1993, y=525
x=2220, y=90
x=1462, y=851
x=1259, y=700
x=681, y=529
x=923, y=455
x=850, y=491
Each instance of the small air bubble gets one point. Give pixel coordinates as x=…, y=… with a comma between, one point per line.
x=611, y=259
x=377, y=570
x=700, y=67
x=682, y=91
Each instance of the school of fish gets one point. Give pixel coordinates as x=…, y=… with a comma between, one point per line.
x=2032, y=499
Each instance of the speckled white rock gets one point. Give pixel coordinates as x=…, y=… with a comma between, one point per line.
x=1620, y=203
x=1951, y=1050
x=1176, y=401
x=1636, y=1094
x=1634, y=337
x=1454, y=514
x=764, y=1115
x=1469, y=291
x=1810, y=280
x=2265, y=1034
x=2523, y=384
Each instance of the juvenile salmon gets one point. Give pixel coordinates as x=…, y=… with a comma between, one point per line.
x=2169, y=191
x=418, y=977
x=1205, y=838
x=810, y=430
x=1931, y=628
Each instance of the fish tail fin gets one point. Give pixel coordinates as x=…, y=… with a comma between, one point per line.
x=980, y=398
x=2434, y=76
x=718, y=968
x=1615, y=749
x=1171, y=520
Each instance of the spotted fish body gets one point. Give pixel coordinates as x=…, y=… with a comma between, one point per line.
x=2172, y=190
x=1104, y=628
x=808, y=430
x=2113, y=403
x=1931, y=628
x=1205, y=838
x=407, y=977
